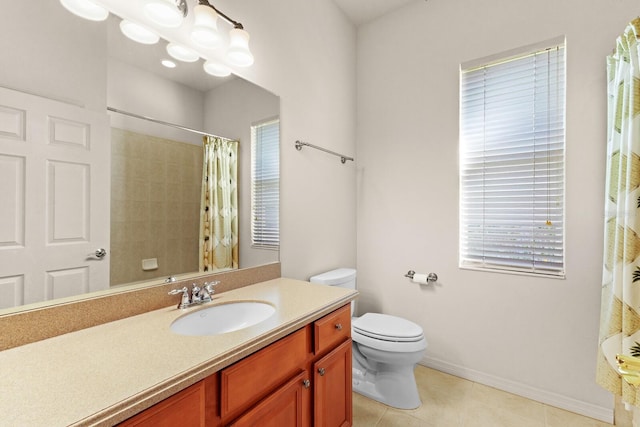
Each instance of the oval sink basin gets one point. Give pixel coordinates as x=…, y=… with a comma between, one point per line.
x=223, y=318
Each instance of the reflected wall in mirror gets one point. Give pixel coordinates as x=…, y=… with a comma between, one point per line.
x=93, y=66
x=155, y=206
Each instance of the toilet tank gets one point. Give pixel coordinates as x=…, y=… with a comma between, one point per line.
x=341, y=277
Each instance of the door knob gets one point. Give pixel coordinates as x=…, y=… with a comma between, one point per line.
x=100, y=253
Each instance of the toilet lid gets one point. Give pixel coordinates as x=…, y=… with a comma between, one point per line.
x=387, y=327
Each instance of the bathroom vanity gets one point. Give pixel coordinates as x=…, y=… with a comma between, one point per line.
x=292, y=369
x=301, y=380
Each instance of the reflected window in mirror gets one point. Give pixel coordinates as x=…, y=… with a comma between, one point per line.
x=265, y=184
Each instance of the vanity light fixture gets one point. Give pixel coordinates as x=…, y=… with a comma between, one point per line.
x=168, y=63
x=138, y=33
x=204, y=32
x=182, y=53
x=86, y=9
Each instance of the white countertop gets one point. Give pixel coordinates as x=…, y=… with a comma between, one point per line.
x=107, y=373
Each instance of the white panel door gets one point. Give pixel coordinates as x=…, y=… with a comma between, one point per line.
x=54, y=199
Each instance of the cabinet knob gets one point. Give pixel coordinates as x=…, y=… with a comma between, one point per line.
x=321, y=371
x=306, y=383
x=339, y=326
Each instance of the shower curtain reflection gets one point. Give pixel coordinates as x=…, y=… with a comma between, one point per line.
x=219, y=205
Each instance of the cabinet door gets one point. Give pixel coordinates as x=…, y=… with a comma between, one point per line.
x=332, y=388
x=186, y=409
x=282, y=408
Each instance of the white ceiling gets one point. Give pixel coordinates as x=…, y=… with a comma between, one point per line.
x=362, y=11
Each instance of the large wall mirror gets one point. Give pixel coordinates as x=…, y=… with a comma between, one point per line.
x=154, y=129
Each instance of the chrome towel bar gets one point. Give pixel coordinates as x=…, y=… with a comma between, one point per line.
x=343, y=158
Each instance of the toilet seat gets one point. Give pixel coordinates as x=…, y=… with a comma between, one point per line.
x=387, y=327
x=388, y=333
x=386, y=337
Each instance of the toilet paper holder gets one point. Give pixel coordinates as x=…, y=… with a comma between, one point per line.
x=431, y=277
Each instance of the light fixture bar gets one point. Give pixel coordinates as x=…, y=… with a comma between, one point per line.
x=230, y=21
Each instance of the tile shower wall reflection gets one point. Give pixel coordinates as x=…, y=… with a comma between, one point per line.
x=155, y=205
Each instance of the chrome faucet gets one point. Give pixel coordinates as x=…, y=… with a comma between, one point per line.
x=198, y=295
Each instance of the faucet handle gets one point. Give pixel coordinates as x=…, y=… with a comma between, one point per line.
x=209, y=286
x=185, y=301
x=207, y=291
x=177, y=291
x=196, y=295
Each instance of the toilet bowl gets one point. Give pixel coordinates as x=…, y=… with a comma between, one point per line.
x=385, y=350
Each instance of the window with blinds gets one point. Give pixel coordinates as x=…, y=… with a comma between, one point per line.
x=512, y=143
x=265, y=184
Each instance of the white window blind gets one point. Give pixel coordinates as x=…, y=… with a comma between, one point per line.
x=265, y=184
x=512, y=142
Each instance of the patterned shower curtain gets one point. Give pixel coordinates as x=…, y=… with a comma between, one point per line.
x=620, y=311
x=219, y=205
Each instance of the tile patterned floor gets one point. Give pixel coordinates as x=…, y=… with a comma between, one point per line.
x=449, y=401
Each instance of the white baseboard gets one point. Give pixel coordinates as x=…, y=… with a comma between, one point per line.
x=542, y=396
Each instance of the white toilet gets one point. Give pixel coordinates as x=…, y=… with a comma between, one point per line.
x=385, y=350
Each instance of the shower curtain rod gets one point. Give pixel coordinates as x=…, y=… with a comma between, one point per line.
x=161, y=122
x=343, y=158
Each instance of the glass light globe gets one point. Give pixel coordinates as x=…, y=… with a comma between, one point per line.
x=138, y=33
x=163, y=12
x=238, y=52
x=182, y=53
x=216, y=69
x=205, y=27
x=86, y=9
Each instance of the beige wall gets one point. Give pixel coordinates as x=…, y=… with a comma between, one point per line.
x=535, y=336
x=305, y=52
x=155, y=206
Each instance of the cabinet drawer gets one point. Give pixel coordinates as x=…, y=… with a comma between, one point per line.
x=332, y=329
x=247, y=381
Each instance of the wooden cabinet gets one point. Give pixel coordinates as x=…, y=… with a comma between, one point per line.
x=332, y=388
x=194, y=406
x=302, y=380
